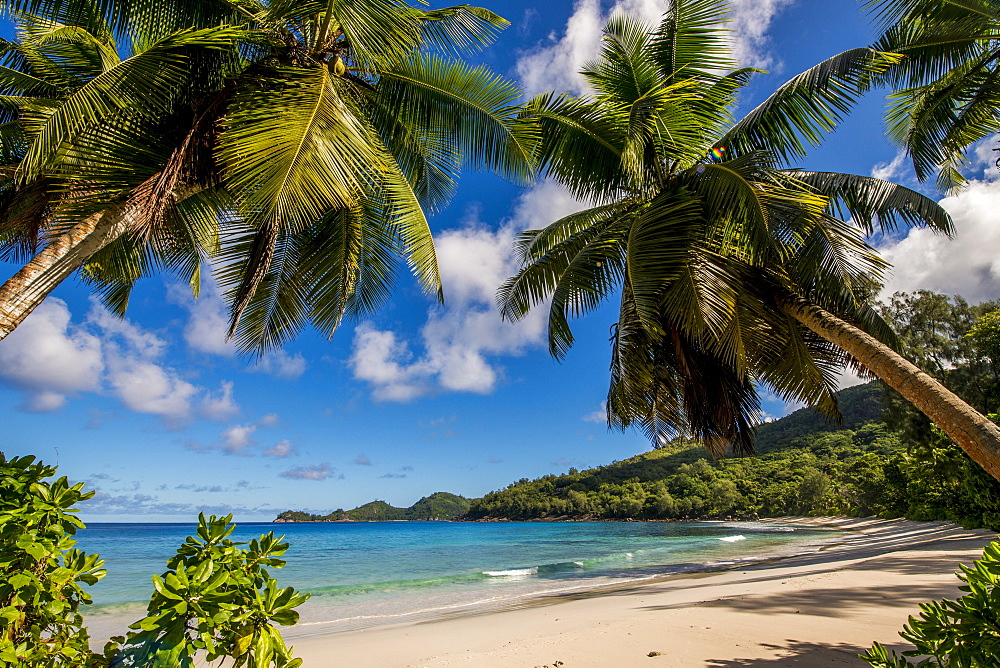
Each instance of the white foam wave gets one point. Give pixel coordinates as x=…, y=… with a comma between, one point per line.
x=732, y=539
x=513, y=572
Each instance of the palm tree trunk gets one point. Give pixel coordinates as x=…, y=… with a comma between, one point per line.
x=56, y=262
x=976, y=435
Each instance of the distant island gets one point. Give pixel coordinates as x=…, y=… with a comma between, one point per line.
x=438, y=506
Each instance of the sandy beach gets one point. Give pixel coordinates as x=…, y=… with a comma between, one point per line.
x=819, y=609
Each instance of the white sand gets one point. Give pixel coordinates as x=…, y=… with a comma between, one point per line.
x=819, y=609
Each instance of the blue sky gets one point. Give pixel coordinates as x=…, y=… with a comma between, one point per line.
x=160, y=416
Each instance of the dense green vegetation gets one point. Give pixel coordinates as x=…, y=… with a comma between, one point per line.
x=281, y=146
x=41, y=574
x=808, y=464
x=216, y=599
x=963, y=632
x=883, y=458
x=437, y=506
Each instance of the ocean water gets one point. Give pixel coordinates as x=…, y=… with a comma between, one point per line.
x=371, y=573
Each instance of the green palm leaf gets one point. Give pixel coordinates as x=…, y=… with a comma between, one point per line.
x=145, y=83
x=808, y=105
x=476, y=107
x=461, y=30
x=869, y=201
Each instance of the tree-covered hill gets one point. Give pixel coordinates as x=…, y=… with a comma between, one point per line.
x=859, y=405
x=806, y=464
x=437, y=506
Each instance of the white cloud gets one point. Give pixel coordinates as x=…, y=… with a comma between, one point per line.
x=146, y=387
x=208, y=320
x=220, y=406
x=892, y=170
x=50, y=359
x=238, y=438
x=269, y=420
x=555, y=63
x=599, y=416
x=315, y=472
x=985, y=154
x=281, y=365
x=381, y=360
x=135, y=374
x=363, y=460
x=43, y=402
x=128, y=335
x=281, y=449
x=460, y=340
x=751, y=19
x=967, y=265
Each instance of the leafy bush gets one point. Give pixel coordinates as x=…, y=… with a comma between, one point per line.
x=41, y=574
x=216, y=600
x=955, y=634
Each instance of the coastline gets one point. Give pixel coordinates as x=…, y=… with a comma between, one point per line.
x=818, y=608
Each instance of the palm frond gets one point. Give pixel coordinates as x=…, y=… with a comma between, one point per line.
x=869, y=201
x=145, y=83
x=460, y=30
x=581, y=146
x=477, y=108
x=691, y=40
x=808, y=105
x=622, y=71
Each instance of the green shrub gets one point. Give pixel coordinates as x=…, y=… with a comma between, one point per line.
x=41, y=574
x=215, y=600
x=955, y=634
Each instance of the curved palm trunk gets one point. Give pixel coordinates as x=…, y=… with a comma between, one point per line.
x=978, y=436
x=56, y=262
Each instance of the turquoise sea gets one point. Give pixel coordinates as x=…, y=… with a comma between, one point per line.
x=365, y=574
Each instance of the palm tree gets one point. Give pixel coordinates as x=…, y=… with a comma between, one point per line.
x=948, y=86
x=295, y=146
x=733, y=270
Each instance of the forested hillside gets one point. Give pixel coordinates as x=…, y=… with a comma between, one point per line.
x=806, y=464
x=437, y=506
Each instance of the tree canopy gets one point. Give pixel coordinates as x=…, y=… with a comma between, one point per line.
x=293, y=150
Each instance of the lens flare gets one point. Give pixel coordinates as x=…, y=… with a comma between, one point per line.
x=719, y=152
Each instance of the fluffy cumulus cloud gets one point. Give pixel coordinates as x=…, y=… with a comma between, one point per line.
x=220, y=405
x=556, y=62
x=208, y=322
x=459, y=343
x=966, y=265
x=50, y=358
x=237, y=439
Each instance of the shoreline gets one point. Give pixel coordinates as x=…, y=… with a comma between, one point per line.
x=818, y=608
